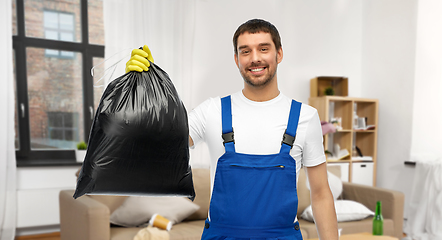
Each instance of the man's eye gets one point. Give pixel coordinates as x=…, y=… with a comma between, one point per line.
x=245, y=51
x=264, y=49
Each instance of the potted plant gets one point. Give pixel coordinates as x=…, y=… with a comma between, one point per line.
x=80, y=152
x=329, y=91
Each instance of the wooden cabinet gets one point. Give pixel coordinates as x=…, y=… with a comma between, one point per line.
x=351, y=114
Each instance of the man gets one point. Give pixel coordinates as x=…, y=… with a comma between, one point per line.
x=253, y=172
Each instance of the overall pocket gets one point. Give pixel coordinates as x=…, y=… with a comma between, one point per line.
x=254, y=195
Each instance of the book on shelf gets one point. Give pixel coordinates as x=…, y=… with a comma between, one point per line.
x=368, y=127
x=340, y=155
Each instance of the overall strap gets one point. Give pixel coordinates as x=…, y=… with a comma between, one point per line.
x=292, y=125
x=226, y=114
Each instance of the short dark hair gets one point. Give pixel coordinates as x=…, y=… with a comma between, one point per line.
x=255, y=26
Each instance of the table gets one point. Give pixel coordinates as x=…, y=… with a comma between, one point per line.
x=361, y=236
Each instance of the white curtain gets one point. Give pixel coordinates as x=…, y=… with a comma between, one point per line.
x=7, y=150
x=166, y=26
x=427, y=101
x=425, y=217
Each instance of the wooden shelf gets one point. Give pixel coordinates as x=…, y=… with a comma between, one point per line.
x=319, y=84
x=348, y=138
x=364, y=131
x=339, y=161
x=344, y=131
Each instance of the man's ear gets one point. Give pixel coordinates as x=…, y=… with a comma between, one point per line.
x=236, y=59
x=279, y=55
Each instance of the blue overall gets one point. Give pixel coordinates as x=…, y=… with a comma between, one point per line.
x=254, y=196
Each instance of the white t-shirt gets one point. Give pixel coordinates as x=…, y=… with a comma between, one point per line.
x=258, y=128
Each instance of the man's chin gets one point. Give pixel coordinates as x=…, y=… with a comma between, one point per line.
x=257, y=83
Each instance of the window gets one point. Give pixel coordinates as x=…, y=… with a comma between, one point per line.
x=62, y=126
x=55, y=93
x=59, y=26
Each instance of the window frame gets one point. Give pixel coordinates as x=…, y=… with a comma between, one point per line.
x=24, y=155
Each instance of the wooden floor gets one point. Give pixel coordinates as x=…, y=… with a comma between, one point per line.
x=46, y=236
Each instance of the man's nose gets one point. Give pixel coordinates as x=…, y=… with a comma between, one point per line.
x=256, y=56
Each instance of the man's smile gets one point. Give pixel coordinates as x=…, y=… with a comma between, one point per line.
x=257, y=70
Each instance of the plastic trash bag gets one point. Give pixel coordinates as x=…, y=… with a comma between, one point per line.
x=139, y=141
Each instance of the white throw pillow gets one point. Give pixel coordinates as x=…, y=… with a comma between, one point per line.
x=136, y=211
x=346, y=210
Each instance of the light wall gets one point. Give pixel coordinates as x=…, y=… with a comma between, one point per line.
x=388, y=66
x=370, y=42
x=319, y=38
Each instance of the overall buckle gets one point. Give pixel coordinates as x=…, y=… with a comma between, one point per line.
x=228, y=137
x=287, y=139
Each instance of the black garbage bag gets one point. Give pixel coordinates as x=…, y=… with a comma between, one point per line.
x=139, y=141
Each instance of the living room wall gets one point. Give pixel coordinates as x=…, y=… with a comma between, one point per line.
x=388, y=66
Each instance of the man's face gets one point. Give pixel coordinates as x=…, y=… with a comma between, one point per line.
x=257, y=58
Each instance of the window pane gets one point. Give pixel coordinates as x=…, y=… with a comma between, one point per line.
x=42, y=15
x=50, y=20
x=98, y=79
x=66, y=37
x=66, y=21
x=14, y=17
x=17, y=135
x=95, y=19
x=52, y=53
x=67, y=54
x=51, y=34
x=55, y=94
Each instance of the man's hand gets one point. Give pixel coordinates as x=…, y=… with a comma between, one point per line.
x=139, y=60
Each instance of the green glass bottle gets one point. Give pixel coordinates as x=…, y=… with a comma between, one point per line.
x=378, y=220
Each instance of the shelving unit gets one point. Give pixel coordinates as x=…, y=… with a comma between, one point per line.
x=348, y=137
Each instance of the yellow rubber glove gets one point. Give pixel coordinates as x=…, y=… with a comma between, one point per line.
x=139, y=60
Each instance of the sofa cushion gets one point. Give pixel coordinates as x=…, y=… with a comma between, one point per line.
x=346, y=210
x=123, y=233
x=191, y=230
x=201, y=184
x=112, y=202
x=136, y=211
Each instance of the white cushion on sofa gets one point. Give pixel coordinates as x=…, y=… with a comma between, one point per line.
x=346, y=210
x=136, y=211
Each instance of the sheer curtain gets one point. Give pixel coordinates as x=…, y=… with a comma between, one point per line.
x=7, y=150
x=427, y=102
x=166, y=26
x=425, y=208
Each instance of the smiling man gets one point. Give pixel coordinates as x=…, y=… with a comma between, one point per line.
x=257, y=58
x=258, y=140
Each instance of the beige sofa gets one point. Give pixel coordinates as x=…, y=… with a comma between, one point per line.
x=87, y=218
